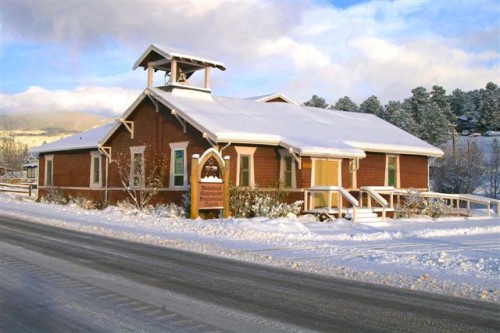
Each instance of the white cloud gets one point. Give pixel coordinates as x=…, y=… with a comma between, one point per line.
x=382, y=48
x=99, y=100
x=304, y=55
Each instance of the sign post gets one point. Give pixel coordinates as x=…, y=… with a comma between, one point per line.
x=209, y=183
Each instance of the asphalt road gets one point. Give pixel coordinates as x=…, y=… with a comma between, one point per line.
x=57, y=280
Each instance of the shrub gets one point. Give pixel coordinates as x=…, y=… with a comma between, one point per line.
x=436, y=207
x=170, y=210
x=83, y=202
x=253, y=202
x=54, y=196
x=414, y=204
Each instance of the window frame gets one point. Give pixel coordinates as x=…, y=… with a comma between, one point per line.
x=138, y=150
x=284, y=154
x=174, y=147
x=93, y=156
x=250, y=152
x=397, y=174
x=49, y=158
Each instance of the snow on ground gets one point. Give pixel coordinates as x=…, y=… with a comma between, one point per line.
x=453, y=256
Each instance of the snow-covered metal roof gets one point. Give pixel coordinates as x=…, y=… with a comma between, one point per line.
x=308, y=131
x=157, y=52
x=84, y=140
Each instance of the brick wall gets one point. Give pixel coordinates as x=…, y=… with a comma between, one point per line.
x=414, y=171
x=371, y=170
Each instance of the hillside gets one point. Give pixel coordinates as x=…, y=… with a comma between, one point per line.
x=52, y=122
x=35, y=129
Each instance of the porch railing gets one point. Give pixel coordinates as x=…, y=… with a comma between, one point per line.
x=329, y=190
x=373, y=193
x=455, y=200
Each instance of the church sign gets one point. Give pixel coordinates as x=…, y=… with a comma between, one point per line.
x=210, y=195
x=209, y=183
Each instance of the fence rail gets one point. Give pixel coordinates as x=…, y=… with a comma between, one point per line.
x=456, y=200
x=17, y=188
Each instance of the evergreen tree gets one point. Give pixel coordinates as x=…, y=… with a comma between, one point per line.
x=316, y=102
x=457, y=101
x=345, y=104
x=429, y=122
x=489, y=108
x=438, y=96
x=398, y=116
x=372, y=105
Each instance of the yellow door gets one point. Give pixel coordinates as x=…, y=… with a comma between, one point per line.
x=326, y=173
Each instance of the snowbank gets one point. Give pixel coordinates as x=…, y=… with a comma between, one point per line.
x=454, y=256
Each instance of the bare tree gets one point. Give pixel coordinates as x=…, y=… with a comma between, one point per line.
x=492, y=171
x=460, y=170
x=142, y=175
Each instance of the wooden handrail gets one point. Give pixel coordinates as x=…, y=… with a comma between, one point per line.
x=467, y=198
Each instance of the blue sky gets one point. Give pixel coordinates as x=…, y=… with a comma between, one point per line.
x=78, y=55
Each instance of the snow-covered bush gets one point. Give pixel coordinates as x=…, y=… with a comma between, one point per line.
x=170, y=210
x=54, y=196
x=127, y=207
x=411, y=205
x=253, y=202
x=83, y=202
x=436, y=207
x=186, y=201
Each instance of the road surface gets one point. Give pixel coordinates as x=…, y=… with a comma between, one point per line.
x=57, y=280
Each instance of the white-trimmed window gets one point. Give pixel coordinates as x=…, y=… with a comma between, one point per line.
x=137, y=166
x=95, y=169
x=287, y=169
x=178, y=165
x=49, y=170
x=245, y=166
x=392, y=176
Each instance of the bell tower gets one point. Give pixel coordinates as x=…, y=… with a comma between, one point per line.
x=177, y=66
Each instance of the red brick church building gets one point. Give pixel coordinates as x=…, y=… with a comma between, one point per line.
x=269, y=138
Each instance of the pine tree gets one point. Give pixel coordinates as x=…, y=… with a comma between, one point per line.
x=399, y=116
x=345, y=104
x=489, y=108
x=372, y=105
x=316, y=102
x=438, y=96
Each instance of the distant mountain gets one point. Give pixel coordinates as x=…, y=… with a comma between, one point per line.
x=52, y=122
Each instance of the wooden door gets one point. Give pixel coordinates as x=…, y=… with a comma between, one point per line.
x=326, y=173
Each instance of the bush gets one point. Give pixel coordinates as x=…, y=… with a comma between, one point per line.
x=253, y=202
x=54, y=196
x=436, y=207
x=414, y=204
x=170, y=210
x=83, y=202
x=127, y=207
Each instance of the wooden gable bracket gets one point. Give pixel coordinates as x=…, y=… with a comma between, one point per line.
x=153, y=100
x=212, y=143
x=298, y=159
x=129, y=125
x=106, y=151
x=181, y=121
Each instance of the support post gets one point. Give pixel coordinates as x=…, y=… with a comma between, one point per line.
x=194, y=186
x=150, y=75
x=207, y=77
x=227, y=164
x=173, y=71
